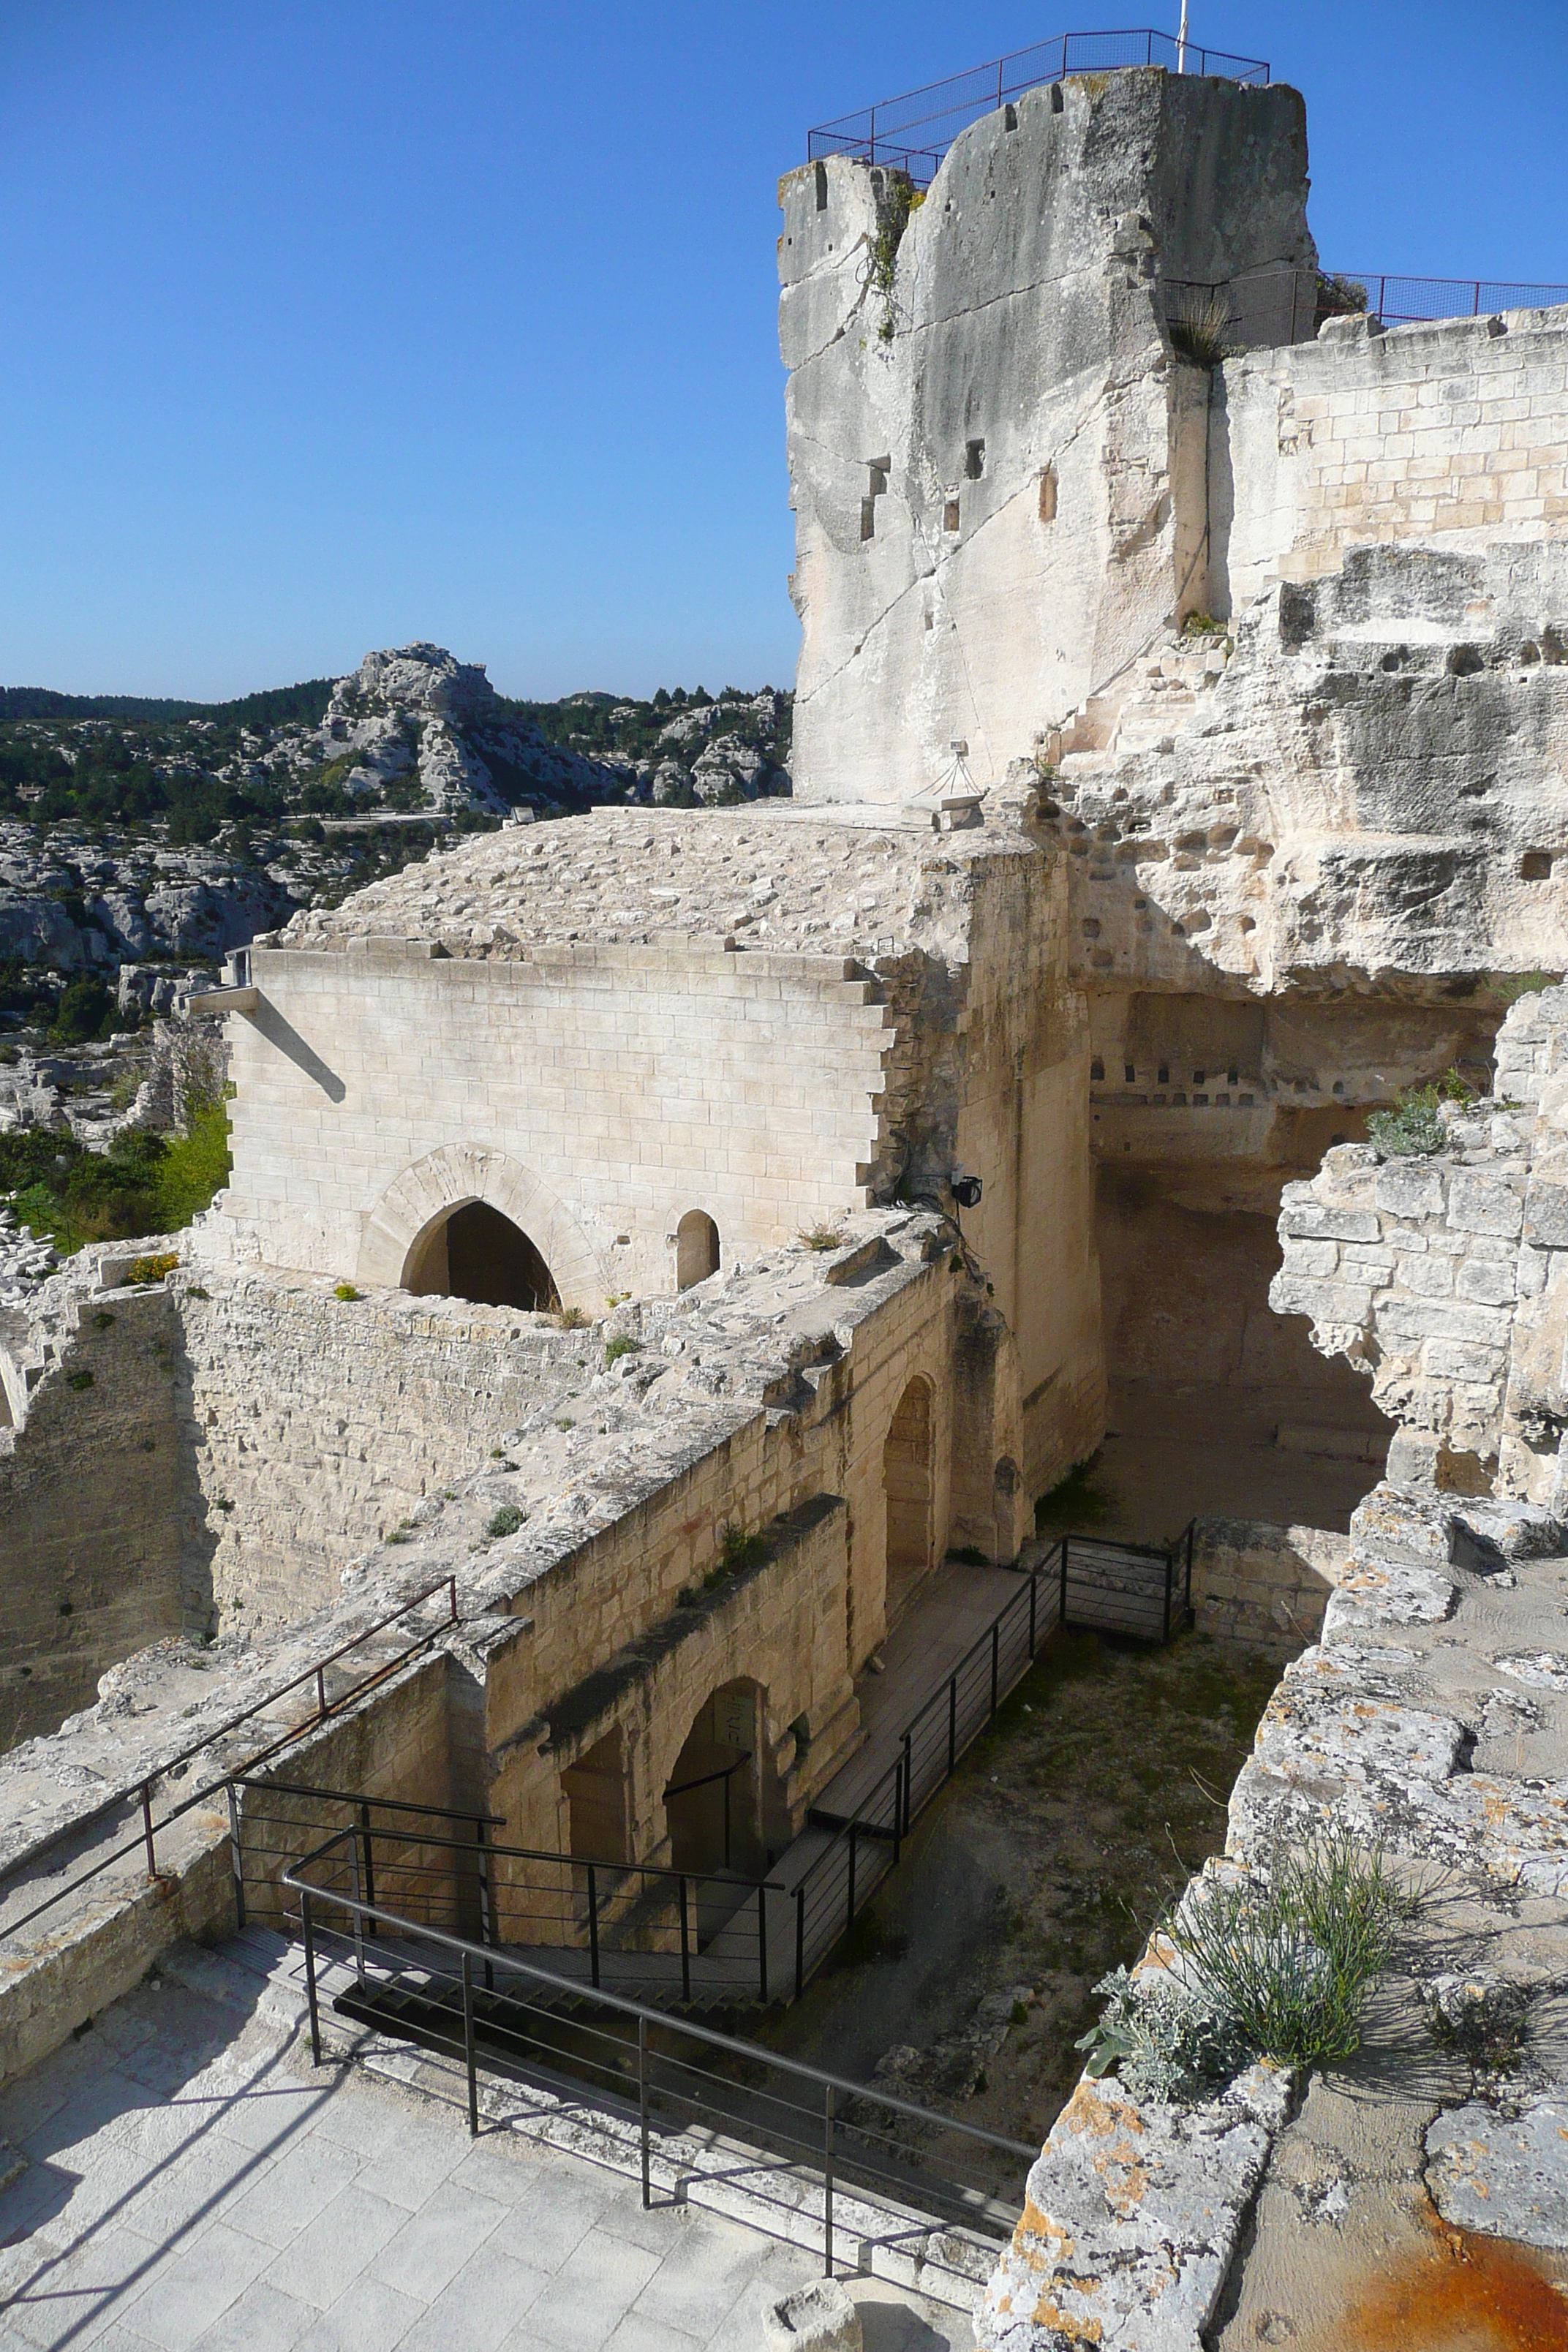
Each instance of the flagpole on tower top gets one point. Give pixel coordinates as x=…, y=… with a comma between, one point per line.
x=1181, y=42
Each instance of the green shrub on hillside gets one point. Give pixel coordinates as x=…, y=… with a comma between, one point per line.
x=142, y=1184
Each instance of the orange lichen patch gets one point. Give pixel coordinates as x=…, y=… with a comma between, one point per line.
x=1461, y=2293
x=1089, y=2110
x=1081, y=2331
x=1125, y=2194
x=1033, y=2223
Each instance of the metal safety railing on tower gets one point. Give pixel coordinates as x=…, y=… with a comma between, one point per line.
x=912, y=132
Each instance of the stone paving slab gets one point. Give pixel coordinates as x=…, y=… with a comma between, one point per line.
x=192, y=2185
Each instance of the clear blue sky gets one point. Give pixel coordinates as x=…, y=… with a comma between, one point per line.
x=332, y=324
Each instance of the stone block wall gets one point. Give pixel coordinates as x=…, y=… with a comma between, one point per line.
x=1265, y=1585
x=317, y=1425
x=1422, y=432
x=626, y=1580
x=775, y=1624
x=94, y=1498
x=608, y=1091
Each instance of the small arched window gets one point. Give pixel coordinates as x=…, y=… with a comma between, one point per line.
x=696, y=1249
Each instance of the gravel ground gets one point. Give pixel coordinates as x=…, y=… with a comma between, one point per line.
x=1043, y=1864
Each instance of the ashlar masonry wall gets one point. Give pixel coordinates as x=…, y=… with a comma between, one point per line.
x=776, y=1625
x=1365, y=436
x=594, y=1094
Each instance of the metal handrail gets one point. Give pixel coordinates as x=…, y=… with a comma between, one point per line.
x=324, y=1709
x=892, y=1794
x=704, y=1780
x=684, y=1788
x=990, y=85
x=485, y=1854
x=360, y=1910
x=382, y=1804
x=1280, y=303
x=572, y=1861
x=754, y=2050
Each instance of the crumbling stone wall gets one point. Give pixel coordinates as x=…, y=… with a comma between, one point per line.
x=1411, y=1268
x=1445, y=1276
x=94, y=1497
x=317, y=1426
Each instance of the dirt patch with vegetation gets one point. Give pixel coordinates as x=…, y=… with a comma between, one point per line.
x=1100, y=1787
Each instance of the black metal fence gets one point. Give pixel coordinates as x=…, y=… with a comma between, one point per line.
x=644, y=1928
x=1144, y=1590
x=1090, y=1581
x=674, y=2082
x=330, y=1688
x=717, y=1936
x=912, y=133
x=1265, y=309
x=1405, y=302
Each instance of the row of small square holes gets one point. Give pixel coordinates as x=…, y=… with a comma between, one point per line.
x=1163, y=1077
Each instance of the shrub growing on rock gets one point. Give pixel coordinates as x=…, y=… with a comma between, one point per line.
x=1411, y=1127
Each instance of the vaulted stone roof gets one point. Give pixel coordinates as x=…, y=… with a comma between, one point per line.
x=787, y=880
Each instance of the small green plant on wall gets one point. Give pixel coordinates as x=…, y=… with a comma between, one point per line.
x=900, y=198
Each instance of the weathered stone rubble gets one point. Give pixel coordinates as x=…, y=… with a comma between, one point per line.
x=1441, y=1274
x=1431, y=1719
x=775, y=878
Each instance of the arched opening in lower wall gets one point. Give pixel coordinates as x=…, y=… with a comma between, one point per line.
x=475, y=1252
x=906, y=1482
x=696, y=1249
x=723, y=1804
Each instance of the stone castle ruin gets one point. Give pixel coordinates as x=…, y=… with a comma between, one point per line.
x=669, y=1236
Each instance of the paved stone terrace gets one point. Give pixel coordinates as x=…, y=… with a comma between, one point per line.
x=191, y=2184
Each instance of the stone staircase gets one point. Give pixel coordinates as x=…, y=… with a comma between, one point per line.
x=36, y=1331
x=1154, y=699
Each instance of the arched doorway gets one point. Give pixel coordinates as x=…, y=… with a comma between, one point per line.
x=475, y=1252
x=715, y=1801
x=596, y=1792
x=696, y=1249
x=907, y=1483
